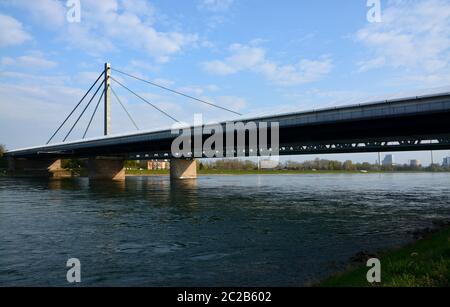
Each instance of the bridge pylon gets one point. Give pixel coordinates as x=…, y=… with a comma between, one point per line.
x=107, y=99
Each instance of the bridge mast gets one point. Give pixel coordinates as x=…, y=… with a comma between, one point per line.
x=107, y=95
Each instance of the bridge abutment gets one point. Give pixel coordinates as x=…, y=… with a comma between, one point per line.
x=183, y=169
x=43, y=167
x=106, y=168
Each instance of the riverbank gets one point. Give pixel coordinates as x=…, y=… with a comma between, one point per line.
x=237, y=172
x=211, y=172
x=424, y=263
x=223, y=172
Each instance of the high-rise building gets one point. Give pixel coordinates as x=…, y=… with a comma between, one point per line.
x=388, y=160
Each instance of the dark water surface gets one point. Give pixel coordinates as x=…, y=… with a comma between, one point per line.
x=216, y=231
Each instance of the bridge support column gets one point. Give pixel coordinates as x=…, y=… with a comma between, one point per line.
x=45, y=167
x=183, y=169
x=106, y=168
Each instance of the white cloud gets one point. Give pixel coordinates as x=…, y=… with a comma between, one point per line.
x=232, y=102
x=31, y=106
x=242, y=58
x=253, y=58
x=371, y=64
x=140, y=8
x=120, y=24
x=216, y=5
x=147, y=66
x=31, y=61
x=86, y=77
x=315, y=98
x=33, y=79
x=305, y=71
x=12, y=32
x=198, y=90
x=108, y=25
x=163, y=82
x=216, y=12
x=219, y=68
x=414, y=36
x=51, y=13
x=80, y=37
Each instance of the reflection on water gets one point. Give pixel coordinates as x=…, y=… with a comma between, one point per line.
x=214, y=231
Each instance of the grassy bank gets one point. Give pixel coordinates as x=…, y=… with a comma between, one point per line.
x=425, y=263
x=270, y=172
x=239, y=172
x=255, y=172
x=211, y=172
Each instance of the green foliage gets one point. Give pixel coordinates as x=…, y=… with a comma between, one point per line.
x=71, y=164
x=201, y=166
x=231, y=164
x=242, y=167
x=425, y=263
x=349, y=166
x=3, y=162
x=132, y=164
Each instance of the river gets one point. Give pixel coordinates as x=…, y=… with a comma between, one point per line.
x=273, y=230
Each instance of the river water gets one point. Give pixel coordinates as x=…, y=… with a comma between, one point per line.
x=275, y=230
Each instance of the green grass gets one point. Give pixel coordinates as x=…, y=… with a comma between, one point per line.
x=425, y=263
x=268, y=172
x=239, y=172
x=206, y=172
x=135, y=172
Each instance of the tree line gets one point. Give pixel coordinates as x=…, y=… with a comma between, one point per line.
x=317, y=164
x=247, y=165
x=3, y=163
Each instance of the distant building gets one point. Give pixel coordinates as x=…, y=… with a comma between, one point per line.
x=446, y=162
x=269, y=164
x=388, y=160
x=414, y=163
x=155, y=165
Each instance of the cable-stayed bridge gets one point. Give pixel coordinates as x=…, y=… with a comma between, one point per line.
x=404, y=124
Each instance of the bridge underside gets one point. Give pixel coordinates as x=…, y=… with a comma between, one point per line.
x=409, y=133
x=413, y=133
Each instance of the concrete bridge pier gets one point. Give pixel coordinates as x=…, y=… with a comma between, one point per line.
x=42, y=167
x=106, y=168
x=183, y=169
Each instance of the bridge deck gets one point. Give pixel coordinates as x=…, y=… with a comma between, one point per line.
x=407, y=121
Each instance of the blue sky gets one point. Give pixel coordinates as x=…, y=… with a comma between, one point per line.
x=253, y=56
